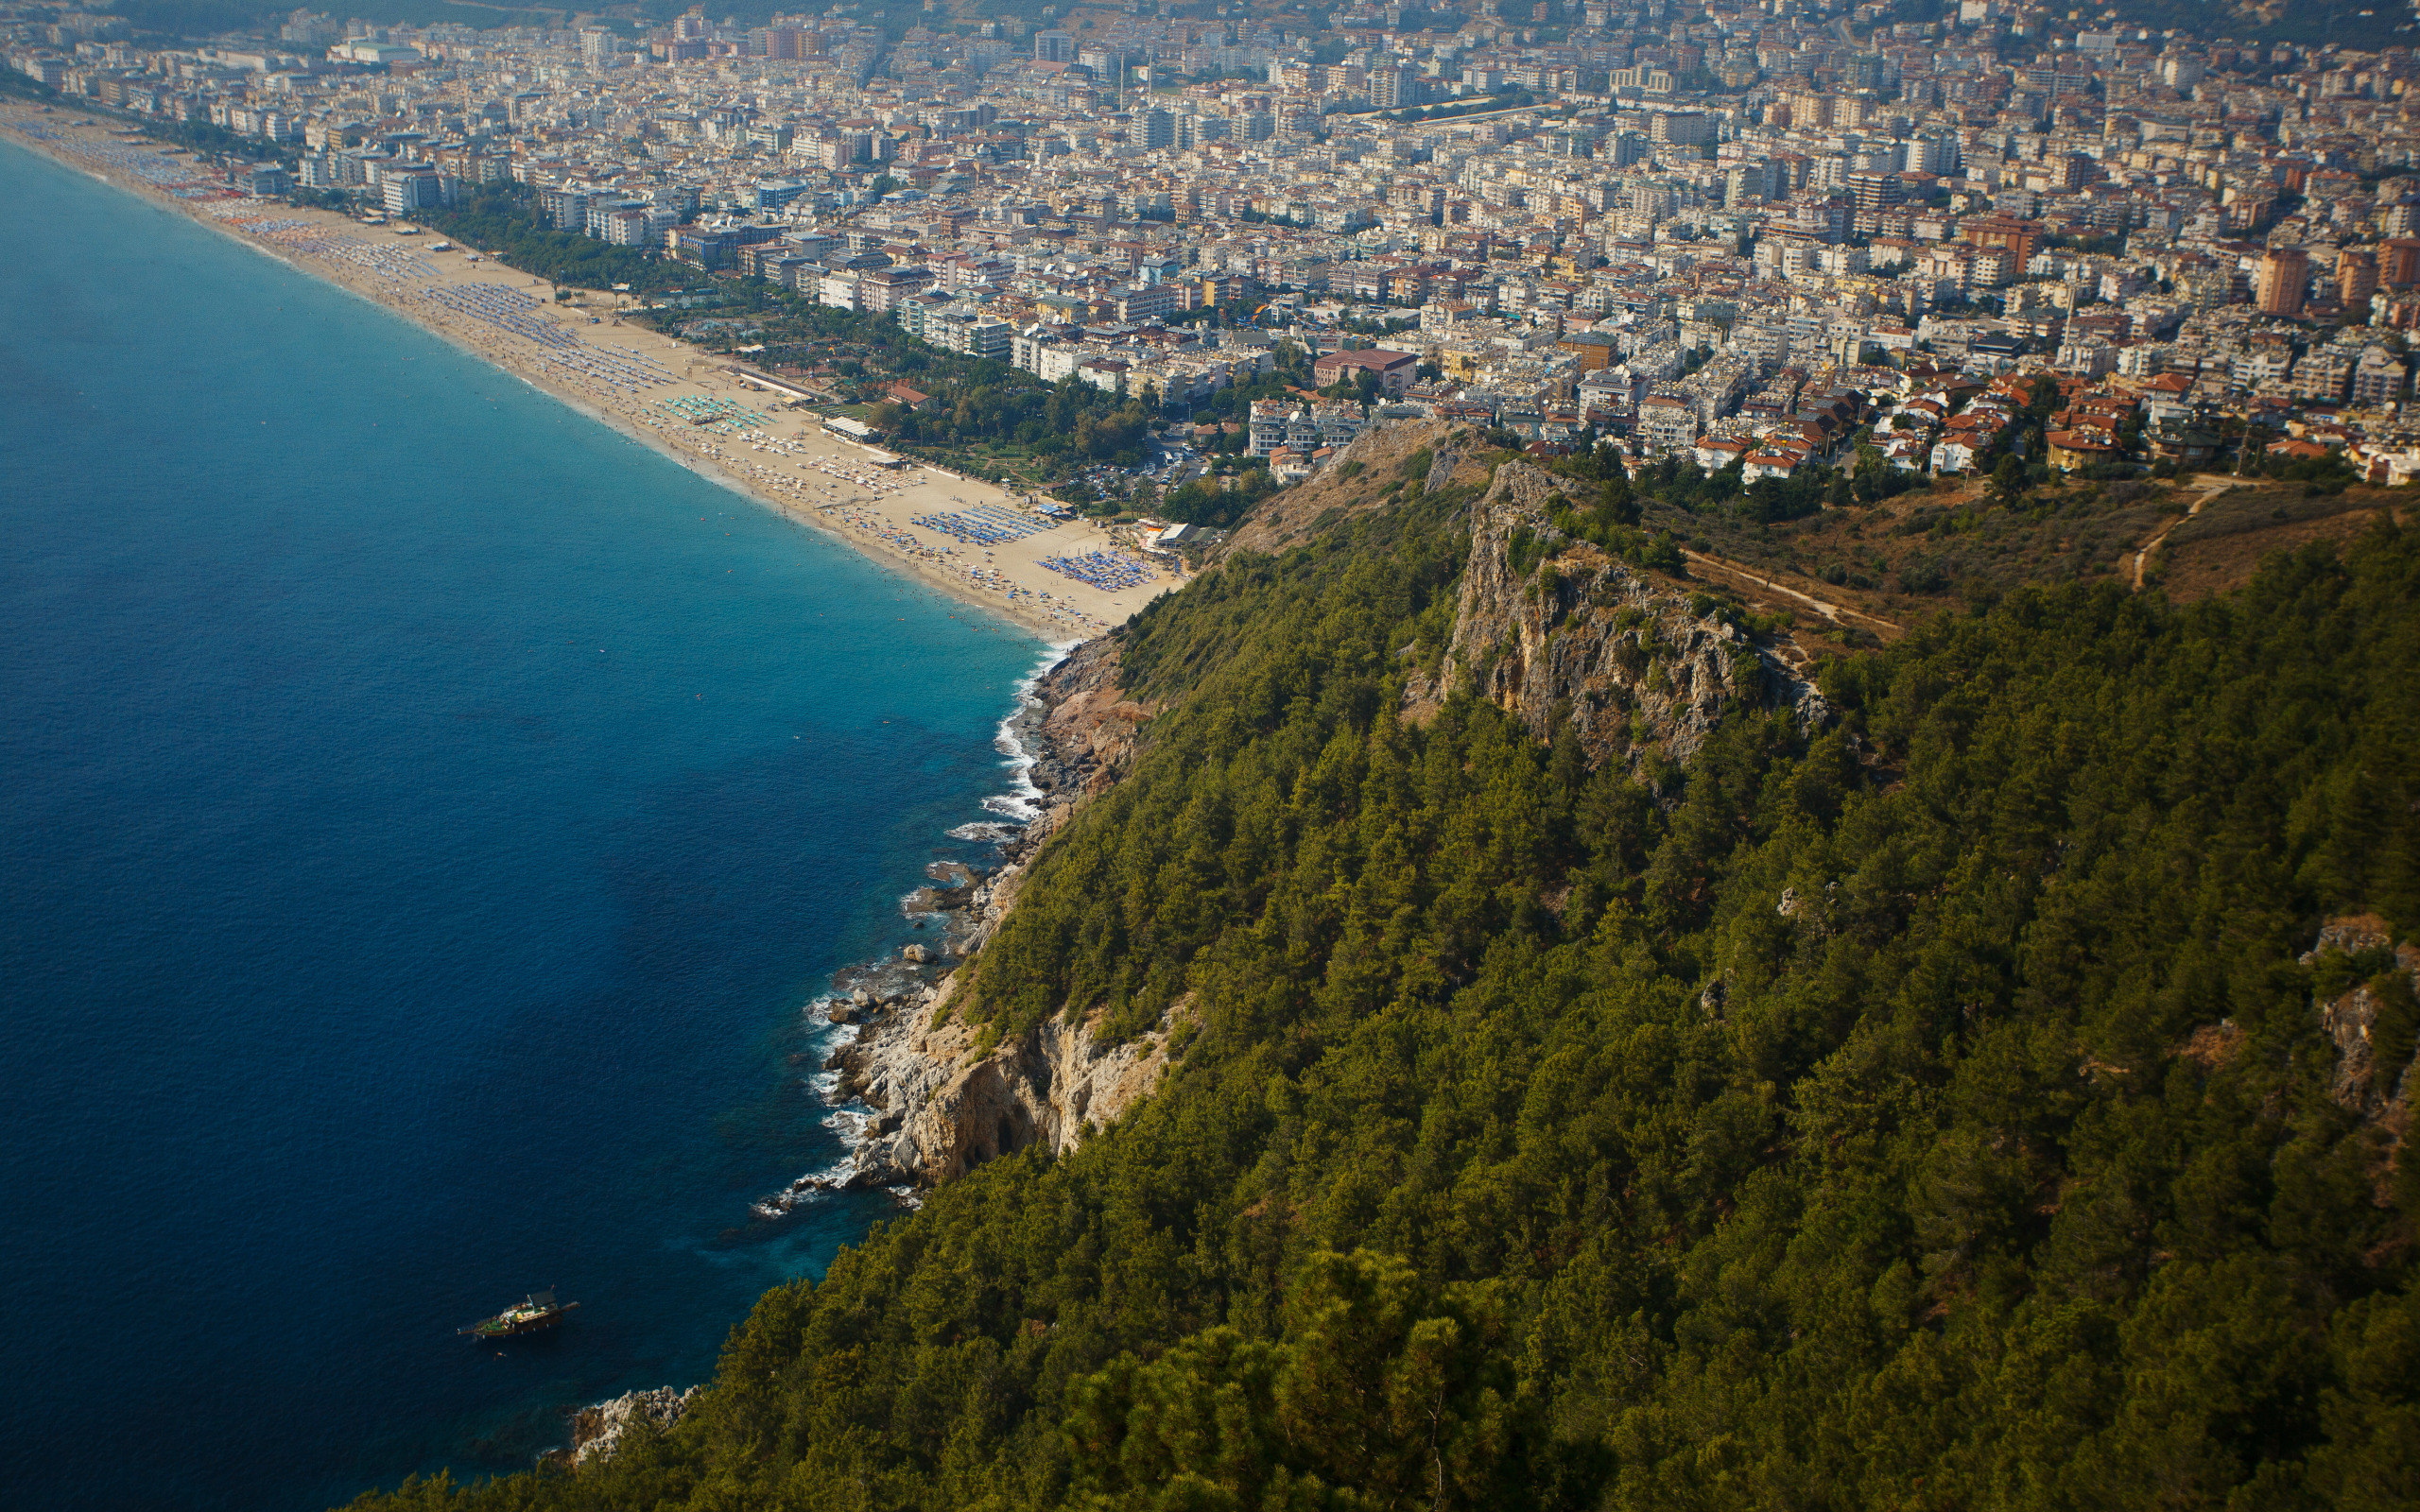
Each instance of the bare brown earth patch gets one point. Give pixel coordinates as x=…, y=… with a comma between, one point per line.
x=1375, y=470
x=2199, y=560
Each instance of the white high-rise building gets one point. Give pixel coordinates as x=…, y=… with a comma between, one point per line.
x=1936, y=153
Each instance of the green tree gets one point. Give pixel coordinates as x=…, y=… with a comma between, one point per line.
x=1614, y=501
x=1927, y=1106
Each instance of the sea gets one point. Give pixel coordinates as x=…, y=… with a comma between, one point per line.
x=430, y=818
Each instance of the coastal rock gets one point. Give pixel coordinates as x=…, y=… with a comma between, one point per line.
x=1576, y=644
x=597, y=1430
x=951, y=884
x=943, y=1110
x=1083, y=729
x=939, y=1108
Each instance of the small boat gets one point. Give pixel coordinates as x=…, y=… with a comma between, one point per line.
x=534, y=1314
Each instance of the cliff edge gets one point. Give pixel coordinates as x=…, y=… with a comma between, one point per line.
x=937, y=1107
x=1567, y=639
x=1557, y=632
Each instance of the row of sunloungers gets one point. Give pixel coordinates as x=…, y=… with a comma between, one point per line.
x=1106, y=570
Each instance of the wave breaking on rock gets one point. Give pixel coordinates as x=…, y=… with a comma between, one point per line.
x=1070, y=733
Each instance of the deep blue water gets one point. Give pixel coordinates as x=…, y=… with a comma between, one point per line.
x=426, y=815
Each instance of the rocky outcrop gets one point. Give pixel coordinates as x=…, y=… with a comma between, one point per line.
x=1558, y=633
x=937, y=1107
x=1571, y=642
x=2380, y=1095
x=597, y=1430
x=941, y=1108
x=1079, y=726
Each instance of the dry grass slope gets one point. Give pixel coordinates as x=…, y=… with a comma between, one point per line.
x=1367, y=476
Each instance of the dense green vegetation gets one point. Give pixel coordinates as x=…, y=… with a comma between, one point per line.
x=1206, y=502
x=502, y=219
x=12, y=82
x=1679, y=482
x=1071, y=417
x=1928, y=1112
x=2331, y=474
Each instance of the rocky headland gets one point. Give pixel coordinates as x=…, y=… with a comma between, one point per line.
x=597, y=1430
x=929, y=1103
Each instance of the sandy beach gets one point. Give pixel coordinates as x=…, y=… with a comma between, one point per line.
x=963, y=536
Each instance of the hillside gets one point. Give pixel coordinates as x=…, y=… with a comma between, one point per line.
x=1381, y=467
x=1616, y=1056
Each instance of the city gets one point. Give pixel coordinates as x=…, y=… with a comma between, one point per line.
x=1763, y=236
x=1514, y=756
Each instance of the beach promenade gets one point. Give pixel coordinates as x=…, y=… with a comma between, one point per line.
x=962, y=536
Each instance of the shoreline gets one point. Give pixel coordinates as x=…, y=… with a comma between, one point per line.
x=1050, y=738
x=888, y=1078
x=509, y=320
x=954, y=904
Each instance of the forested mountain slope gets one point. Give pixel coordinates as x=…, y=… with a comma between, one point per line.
x=1932, y=1109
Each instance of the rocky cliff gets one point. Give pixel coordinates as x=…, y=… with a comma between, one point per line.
x=1553, y=630
x=1557, y=632
x=942, y=1108
x=937, y=1106
x=2369, y=1025
x=597, y=1430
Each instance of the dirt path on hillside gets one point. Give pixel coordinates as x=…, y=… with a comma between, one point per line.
x=1825, y=606
x=2211, y=486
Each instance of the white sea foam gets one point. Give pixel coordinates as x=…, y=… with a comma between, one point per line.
x=807, y=1188
x=1022, y=800
x=820, y=1011
x=1017, y=807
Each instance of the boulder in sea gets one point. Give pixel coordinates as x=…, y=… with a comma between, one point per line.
x=915, y=953
x=955, y=875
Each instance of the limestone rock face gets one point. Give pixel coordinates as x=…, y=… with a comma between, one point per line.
x=1615, y=656
x=597, y=1430
x=2381, y=1094
x=938, y=1109
x=943, y=1110
x=1088, y=727
x=1554, y=630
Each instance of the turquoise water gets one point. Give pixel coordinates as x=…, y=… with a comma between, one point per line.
x=428, y=814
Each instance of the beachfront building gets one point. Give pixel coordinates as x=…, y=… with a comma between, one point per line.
x=1641, y=252
x=406, y=189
